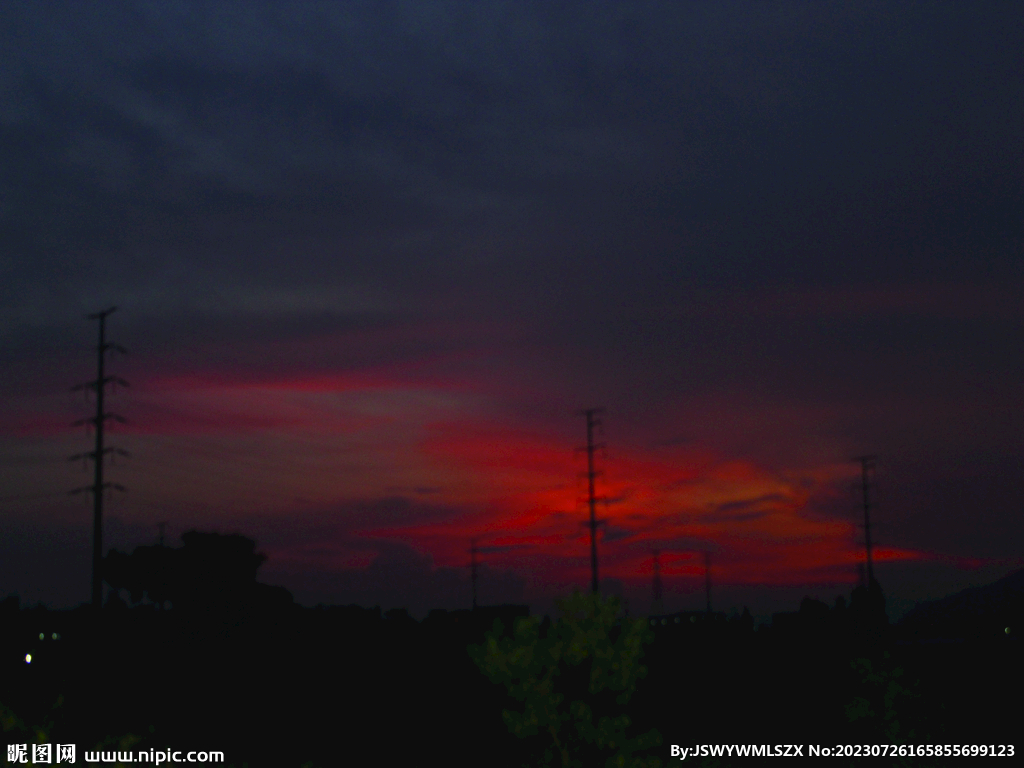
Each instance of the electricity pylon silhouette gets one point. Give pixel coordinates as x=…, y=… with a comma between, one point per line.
x=472, y=568
x=592, y=423
x=657, y=605
x=99, y=386
x=867, y=463
x=707, y=579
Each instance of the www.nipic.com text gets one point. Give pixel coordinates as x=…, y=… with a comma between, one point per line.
x=64, y=754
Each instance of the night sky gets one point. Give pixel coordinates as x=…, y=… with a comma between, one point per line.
x=371, y=258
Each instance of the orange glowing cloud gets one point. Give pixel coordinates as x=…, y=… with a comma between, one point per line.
x=762, y=526
x=328, y=441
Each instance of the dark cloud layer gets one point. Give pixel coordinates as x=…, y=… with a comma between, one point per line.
x=735, y=143
x=787, y=231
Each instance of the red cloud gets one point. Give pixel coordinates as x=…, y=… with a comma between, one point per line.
x=761, y=526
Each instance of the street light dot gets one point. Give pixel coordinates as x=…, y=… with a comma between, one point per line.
x=41, y=635
x=28, y=658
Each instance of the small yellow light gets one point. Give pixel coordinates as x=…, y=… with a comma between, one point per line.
x=28, y=658
x=41, y=635
x=1007, y=630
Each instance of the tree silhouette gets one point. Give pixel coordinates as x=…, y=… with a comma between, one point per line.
x=210, y=571
x=572, y=679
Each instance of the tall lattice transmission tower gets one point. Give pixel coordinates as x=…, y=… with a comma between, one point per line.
x=99, y=386
x=593, y=422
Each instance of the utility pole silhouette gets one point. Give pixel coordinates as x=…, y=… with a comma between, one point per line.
x=707, y=578
x=657, y=606
x=592, y=422
x=99, y=386
x=867, y=463
x=472, y=568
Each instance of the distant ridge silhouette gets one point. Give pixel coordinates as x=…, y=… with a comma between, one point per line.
x=972, y=614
